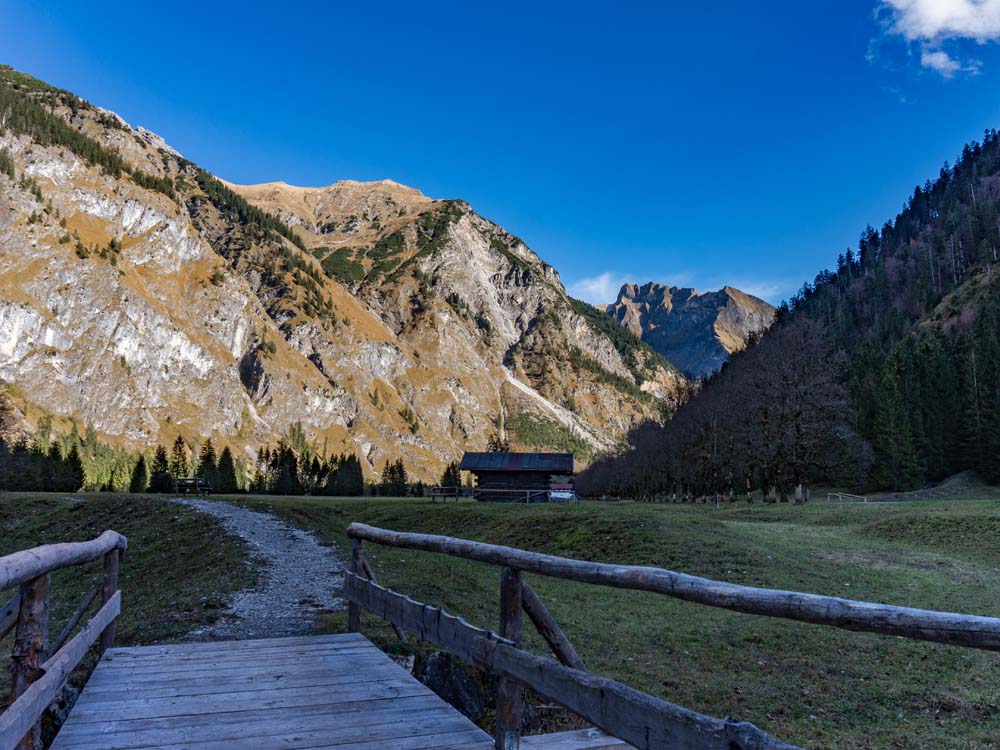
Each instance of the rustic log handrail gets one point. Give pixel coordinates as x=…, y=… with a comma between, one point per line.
x=39, y=675
x=624, y=712
x=22, y=715
x=973, y=631
x=21, y=567
x=644, y=721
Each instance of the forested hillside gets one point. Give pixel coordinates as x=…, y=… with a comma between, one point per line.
x=884, y=373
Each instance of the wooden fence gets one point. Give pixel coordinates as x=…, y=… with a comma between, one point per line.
x=39, y=676
x=642, y=720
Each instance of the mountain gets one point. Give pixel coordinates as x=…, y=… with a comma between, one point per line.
x=883, y=373
x=146, y=299
x=694, y=331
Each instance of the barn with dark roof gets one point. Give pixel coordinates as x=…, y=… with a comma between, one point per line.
x=518, y=477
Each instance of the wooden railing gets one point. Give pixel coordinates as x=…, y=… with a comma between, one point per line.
x=511, y=496
x=39, y=676
x=642, y=720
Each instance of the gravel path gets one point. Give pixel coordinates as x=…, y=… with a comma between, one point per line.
x=297, y=580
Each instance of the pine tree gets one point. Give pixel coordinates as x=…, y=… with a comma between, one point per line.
x=316, y=474
x=73, y=470
x=452, y=477
x=330, y=478
x=896, y=465
x=140, y=476
x=52, y=476
x=400, y=477
x=345, y=478
x=225, y=475
x=353, y=481
x=286, y=471
x=939, y=407
x=207, y=462
x=160, y=479
x=6, y=467
x=394, y=479
x=385, y=486
x=987, y=337
x=179, y=458
x=990, y=467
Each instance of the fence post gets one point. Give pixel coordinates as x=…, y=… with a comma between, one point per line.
x=510, y=697
x=109, y=585
x=31, y=644
x=353, y=610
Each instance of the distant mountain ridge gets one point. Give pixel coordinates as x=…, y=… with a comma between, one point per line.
x=696, y=332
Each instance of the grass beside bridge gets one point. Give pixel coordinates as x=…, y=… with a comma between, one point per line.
x=814, y=686
x=810, y=685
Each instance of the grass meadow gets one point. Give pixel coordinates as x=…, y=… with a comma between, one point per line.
x=808, y=685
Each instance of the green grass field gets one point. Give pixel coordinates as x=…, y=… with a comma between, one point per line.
x=812, y=686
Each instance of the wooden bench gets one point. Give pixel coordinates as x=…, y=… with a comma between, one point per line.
x=195, y=485
x=447, y=493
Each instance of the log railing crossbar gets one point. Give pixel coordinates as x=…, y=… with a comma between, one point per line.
x=40, y=671
x=637, y=718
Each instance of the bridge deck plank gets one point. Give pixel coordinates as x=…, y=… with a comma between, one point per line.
x=323, y=692
x=332, y=691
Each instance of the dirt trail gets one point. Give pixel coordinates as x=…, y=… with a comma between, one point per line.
x=297, y=581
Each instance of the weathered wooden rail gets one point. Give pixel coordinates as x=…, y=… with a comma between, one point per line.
x=623, y=712
x=39, y=670
x=511, y=495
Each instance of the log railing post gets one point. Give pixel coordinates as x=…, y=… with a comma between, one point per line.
x=510, y=696
x=109, y=585
x=357, y=567
x=31, y=647
x=549, y=629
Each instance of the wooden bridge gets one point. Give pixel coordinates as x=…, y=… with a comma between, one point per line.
x=340, y=691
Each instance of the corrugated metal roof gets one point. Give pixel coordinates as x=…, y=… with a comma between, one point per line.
x=555, y=463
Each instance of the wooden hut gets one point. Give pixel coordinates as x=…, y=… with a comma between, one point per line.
x=517, y=477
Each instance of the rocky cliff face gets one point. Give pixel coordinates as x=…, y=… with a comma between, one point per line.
x=695, y=332
x=144, y=297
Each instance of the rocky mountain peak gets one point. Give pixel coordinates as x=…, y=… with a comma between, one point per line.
x=695, y=331
x=345, y=212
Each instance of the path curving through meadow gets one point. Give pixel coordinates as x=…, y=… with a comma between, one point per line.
x=298, y=576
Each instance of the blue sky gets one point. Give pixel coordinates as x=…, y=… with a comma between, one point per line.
x=697, y=144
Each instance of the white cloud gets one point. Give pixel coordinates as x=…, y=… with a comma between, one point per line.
x=933, y=22
x=598, y=290
x=936, y=20
x=940, y=61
